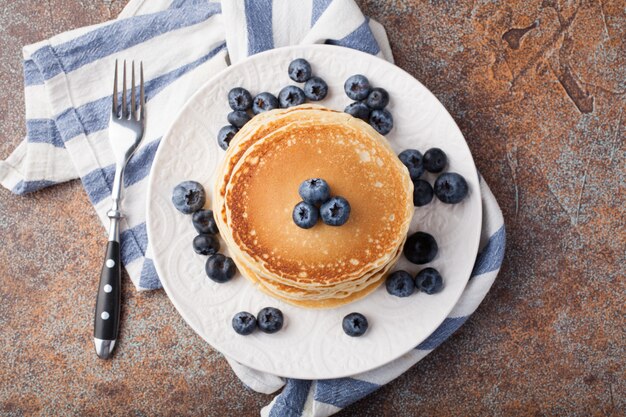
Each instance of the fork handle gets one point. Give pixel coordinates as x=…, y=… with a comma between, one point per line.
x=107, y=318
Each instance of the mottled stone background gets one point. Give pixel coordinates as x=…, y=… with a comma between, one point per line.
x=539, y=90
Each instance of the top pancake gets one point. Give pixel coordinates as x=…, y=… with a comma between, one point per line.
x=357, y=163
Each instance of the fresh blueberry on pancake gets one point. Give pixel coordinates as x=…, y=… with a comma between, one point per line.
x=335, y=212
x=314, y=191
x=305, y=215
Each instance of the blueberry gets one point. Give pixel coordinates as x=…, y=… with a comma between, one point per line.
x=264, y=102
x=204, y=222
x=354, y=324
x=400, y=284
x=238, y=118
x=270, y=320
x=429, y=280
x=188, y=196
x=412, y=159
x=358, y=109
x=239, y=99
x=450, y=188
x=315, y=89
x=225, y=135
x=305, y=215
x=314, y=191
x=220, y=268
x=422, y=193
x=381, y=121
x=420, y=248
x=435, y=160
x=335, y=212
x=357, y=87
x=244, y=323
x=377, y=99
x=299, y=70
x=206, y=244
x=291, y=96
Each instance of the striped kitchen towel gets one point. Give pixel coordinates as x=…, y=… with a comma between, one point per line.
x=184, y=43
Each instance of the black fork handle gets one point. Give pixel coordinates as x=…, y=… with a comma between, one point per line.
x=107, y=317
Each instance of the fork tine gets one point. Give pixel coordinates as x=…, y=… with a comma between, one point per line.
x=133, y=110
x=142, y=97
x=124, y=109
x=114, y=109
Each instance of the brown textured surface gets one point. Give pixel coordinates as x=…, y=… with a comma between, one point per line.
x=543, y=111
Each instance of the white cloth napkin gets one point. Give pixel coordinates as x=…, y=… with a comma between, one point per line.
x=183, y=43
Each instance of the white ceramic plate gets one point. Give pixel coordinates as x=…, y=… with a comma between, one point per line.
x=312, y=344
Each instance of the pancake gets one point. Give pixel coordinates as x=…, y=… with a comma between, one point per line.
x=271, y=143
x=260, y=186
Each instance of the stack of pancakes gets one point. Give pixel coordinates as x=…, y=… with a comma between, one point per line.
x=257, y=188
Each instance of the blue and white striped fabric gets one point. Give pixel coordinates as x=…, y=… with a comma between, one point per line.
x=183, y=43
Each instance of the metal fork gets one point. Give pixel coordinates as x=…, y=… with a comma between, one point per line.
x=125, y=133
